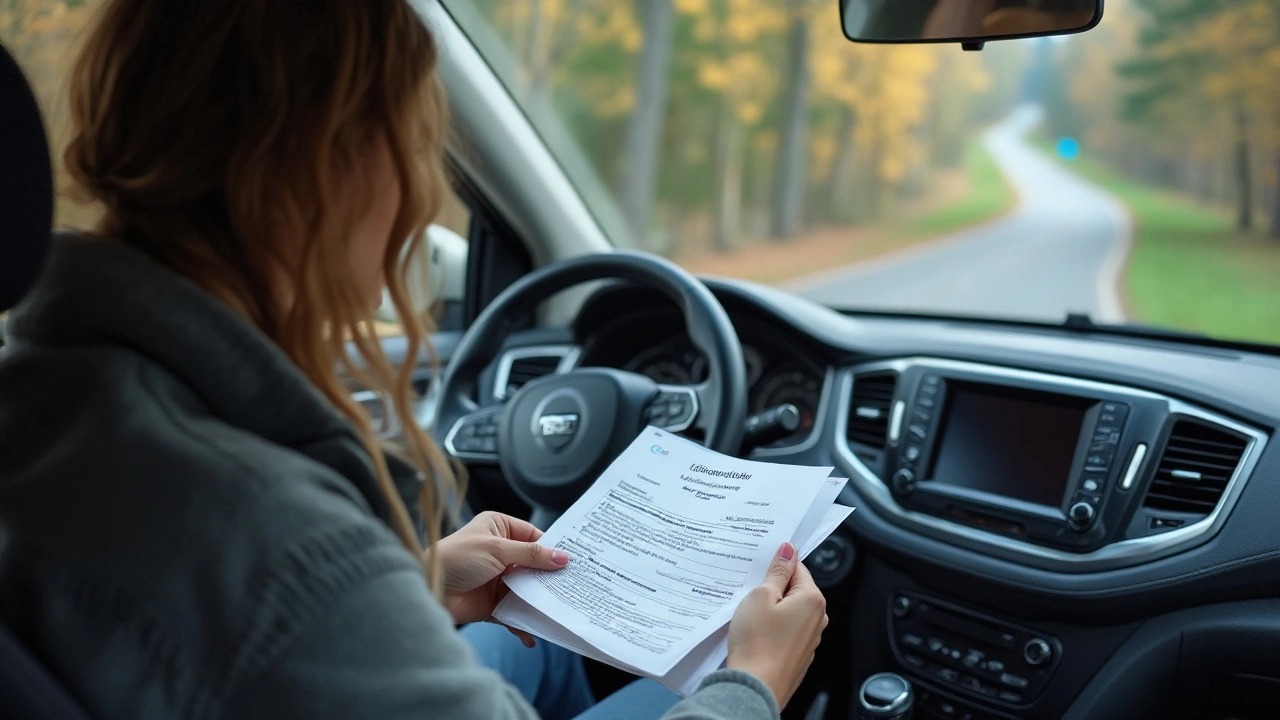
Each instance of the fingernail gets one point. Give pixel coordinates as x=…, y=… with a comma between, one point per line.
x=787, y=551
x=560, y=557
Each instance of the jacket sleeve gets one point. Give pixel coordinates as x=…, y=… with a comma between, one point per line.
x=384, y=649
x=727, y=695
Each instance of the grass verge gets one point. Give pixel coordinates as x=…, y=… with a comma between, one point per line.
x=1189, y=267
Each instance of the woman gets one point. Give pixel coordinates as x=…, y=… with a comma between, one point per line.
x=197, y=519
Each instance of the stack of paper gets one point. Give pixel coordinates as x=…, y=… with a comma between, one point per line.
x=663, y=547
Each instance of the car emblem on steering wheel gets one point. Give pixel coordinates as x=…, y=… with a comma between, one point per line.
x=558, y=425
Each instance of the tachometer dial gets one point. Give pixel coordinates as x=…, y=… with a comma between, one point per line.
x=751, y=358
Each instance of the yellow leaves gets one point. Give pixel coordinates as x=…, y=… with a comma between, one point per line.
x=892, y=167
x=889, y=88
x=749, y=112
x=822, y=153
x=704, y=31
x=744, y=78
x=766, y=141
x=632, y=39
x=598, y=25
x=692, y=7
x=748, y=24
x=713, y=75
x=619, y=103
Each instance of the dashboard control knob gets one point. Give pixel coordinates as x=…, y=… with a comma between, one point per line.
x=831, y=561
x=904, y=482
x=885, y=696
x=1080, y=516
x=1037, y=651
x=902, y=606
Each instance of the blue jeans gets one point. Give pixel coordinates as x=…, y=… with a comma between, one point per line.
x=554, y=680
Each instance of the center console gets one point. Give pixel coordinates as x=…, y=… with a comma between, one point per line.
x=1057, y=472
x=1016, y=460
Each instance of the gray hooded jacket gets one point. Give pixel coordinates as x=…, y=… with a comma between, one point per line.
x=189, y=530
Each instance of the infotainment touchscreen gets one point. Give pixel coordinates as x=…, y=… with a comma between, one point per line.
x=1008, y=442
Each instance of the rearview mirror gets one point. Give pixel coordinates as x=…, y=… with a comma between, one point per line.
x=964, y=21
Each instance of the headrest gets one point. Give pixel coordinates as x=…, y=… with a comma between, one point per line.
x=26, y=185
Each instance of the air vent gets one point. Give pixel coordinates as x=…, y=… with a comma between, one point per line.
x=524, y=368
x=1193, y=473
x=869, y=409
x=381, y=417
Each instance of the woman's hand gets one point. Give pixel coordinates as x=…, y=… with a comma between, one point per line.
x=474, y=559
x=777, y=627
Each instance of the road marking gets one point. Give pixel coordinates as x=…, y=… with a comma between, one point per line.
x=1110, y=308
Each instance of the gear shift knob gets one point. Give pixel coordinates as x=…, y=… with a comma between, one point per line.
x=886, y=696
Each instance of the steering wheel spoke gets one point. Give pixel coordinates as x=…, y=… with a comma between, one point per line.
x=474, y=436
x=675, y=408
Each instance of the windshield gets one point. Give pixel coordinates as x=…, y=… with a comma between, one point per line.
x=1129, y=173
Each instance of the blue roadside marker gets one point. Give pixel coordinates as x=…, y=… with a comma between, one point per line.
x=1068, y=148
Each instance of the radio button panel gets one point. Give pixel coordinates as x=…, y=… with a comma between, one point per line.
x=975, y=656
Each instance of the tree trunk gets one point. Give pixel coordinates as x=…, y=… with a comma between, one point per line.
x=790, y=178
x=1244, y=172
x=1275, y=204
x=877, y=189
x=838, y=190
x=642, y=146
x=728, y=177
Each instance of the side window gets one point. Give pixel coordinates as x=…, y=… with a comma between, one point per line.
x=45, y=36
x=437, y=273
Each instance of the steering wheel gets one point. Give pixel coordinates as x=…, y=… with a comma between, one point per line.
x=557, y=433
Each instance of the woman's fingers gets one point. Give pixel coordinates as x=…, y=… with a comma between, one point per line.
x=515, y=528
x=529, y=555
x=525, y=638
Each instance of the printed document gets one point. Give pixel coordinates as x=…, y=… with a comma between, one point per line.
x=663, y=547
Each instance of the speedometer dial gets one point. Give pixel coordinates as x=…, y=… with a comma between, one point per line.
x=790, y=383
x=663, y=365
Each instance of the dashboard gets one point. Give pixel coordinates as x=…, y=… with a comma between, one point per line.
x=779, y=368
x=1049, y=523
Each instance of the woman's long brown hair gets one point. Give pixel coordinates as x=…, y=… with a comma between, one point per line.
x=222, y=138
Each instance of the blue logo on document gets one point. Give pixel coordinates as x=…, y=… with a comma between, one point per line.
x=657, y=450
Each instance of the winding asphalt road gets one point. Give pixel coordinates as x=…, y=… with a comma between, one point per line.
x=1060, y=250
